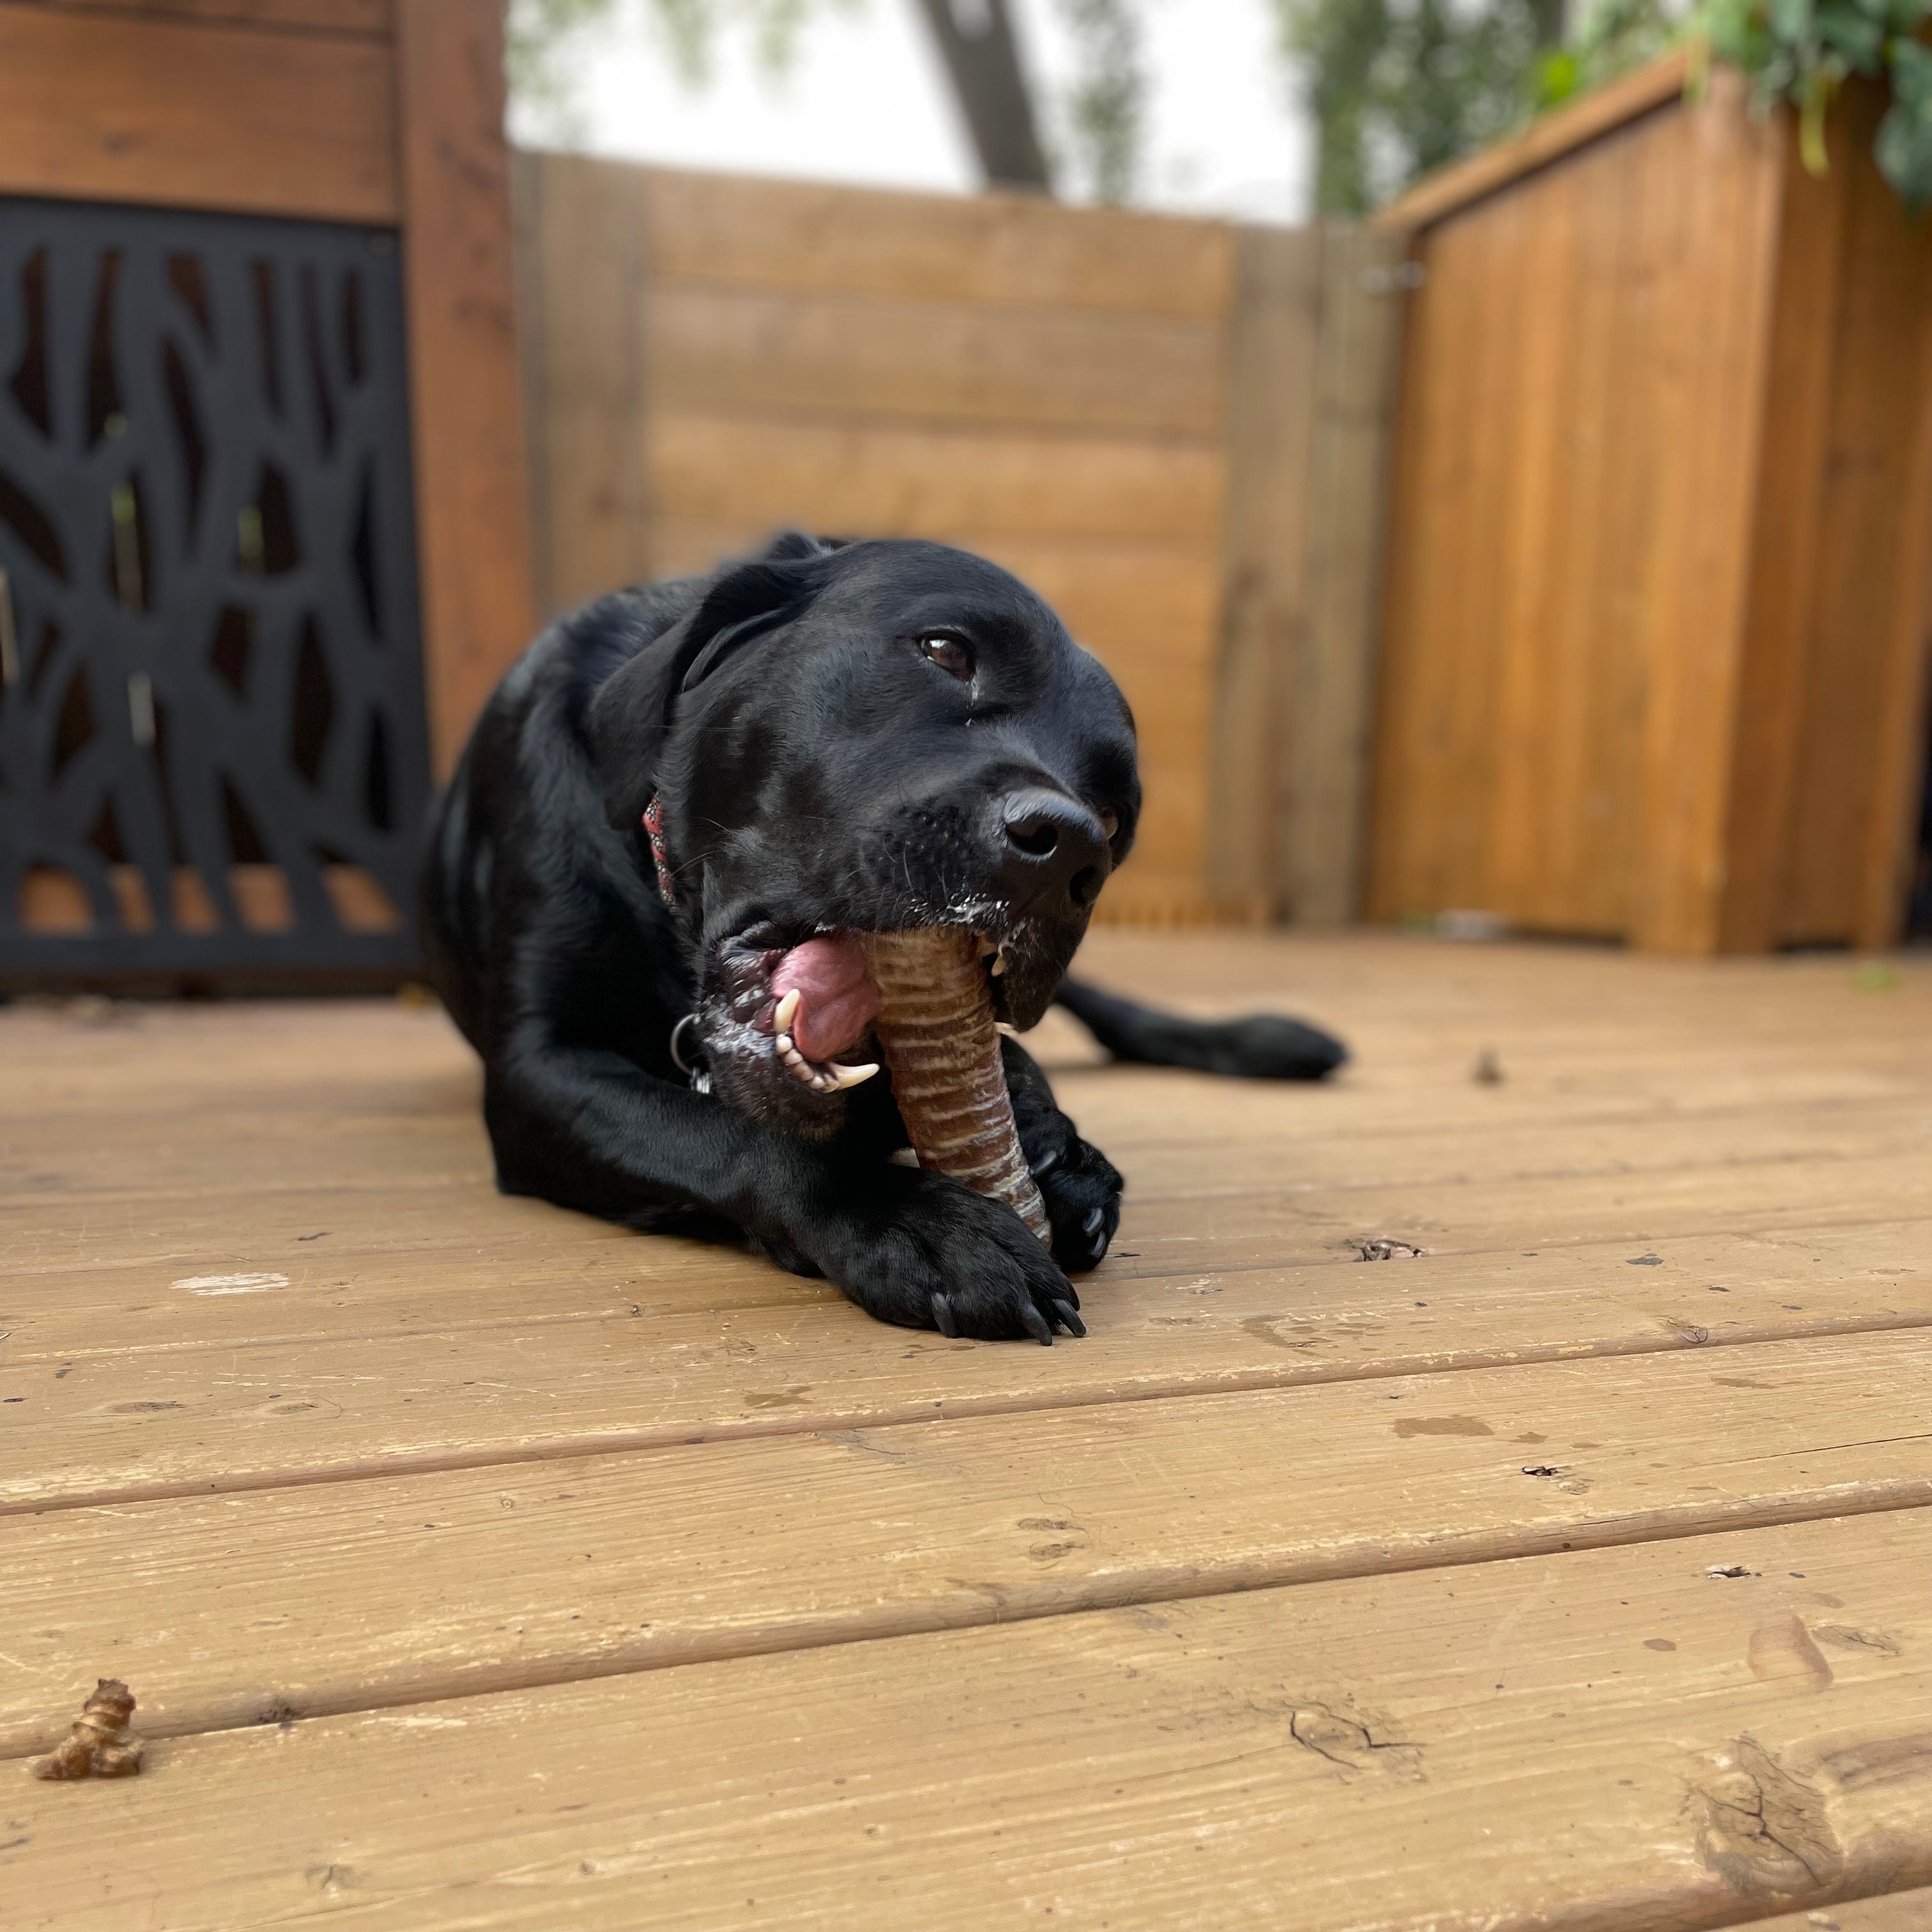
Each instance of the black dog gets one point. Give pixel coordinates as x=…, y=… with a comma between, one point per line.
x=681, y=805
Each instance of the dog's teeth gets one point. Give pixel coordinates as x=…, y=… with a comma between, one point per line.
x=785, y=1043
x=850, y=1076
x=787, y=1011
x=998, y=966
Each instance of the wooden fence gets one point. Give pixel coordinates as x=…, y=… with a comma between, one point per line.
x=1657, y=618
x=1172, y=429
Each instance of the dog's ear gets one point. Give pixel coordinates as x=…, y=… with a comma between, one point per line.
x=630, y=715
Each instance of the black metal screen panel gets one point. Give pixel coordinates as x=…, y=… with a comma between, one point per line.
x=213, y=753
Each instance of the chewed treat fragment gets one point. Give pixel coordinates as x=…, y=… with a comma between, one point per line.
x=99, y=1745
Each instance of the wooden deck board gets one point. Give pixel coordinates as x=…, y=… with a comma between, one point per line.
x=1609, y=1738
x=162, y=1422
x=773, y=1496
x=836, y=1533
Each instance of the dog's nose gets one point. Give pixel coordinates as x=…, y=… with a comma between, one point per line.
x=1056, y=851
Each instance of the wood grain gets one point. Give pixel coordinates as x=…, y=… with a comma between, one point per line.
x=653, y=1357
x=932, y=360
x=371, y=19
x=1682, y=1261
x=1582, y=1738
x=923, y=1526
x=1274, y=344
x=1850, y=820
x=580, y=248
x=472, y=531
x=1013, y=250
x=1811, y=276
x=861, y=477
x=1323, y=805
x=1654, y=644
x=186, y=114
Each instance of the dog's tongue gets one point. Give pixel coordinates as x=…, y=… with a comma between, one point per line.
x=838, y=1000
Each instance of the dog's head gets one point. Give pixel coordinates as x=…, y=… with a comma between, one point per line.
x=864, y=738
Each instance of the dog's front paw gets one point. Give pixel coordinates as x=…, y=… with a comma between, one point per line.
x=924, y=1251
x=1081, y=1188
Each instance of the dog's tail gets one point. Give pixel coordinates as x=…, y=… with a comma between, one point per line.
x=1261, y=1046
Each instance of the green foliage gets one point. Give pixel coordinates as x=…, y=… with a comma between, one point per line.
x=1397, y=87
x=1804, y=52
x=1106, y=106
x=1610, y=38
x=537, y=31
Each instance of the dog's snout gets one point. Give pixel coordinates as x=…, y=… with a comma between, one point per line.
x=1055, y=849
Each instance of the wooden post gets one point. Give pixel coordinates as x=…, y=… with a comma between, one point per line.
x=1323, y=836
x=466, y=400
x=1311, y=339
x=1272, y=332
x=581, y=261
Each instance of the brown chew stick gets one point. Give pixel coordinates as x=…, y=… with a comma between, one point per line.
x=935, y=1028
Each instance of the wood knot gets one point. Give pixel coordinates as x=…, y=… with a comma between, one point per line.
x=98, y=1745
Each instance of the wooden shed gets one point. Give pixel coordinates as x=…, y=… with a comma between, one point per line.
x=263, y=537
x=1656, y=629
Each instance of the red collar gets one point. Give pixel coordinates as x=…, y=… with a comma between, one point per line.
x=654, y=832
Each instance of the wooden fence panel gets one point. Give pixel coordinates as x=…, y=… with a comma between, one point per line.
x=1085, y=396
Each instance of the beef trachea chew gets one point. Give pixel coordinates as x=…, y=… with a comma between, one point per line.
x=935, y=1028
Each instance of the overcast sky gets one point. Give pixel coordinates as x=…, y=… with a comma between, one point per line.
x=867, y=101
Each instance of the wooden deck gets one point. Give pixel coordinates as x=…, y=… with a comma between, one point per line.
x=477, y=1565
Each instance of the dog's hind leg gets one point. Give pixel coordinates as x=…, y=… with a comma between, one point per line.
x=1259, y=1046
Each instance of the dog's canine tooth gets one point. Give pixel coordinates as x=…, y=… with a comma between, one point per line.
x=999, y=964
x=786, y=1013
x=850, y=1076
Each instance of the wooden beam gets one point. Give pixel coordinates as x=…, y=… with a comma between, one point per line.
x=368, y=20
x=102, y=108
x=467, y=405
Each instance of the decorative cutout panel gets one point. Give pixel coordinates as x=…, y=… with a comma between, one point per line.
x=213, y=753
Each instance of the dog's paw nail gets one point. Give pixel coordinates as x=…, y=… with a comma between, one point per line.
x=1036, y=1324
x=1047, y=1163
x=942, y=1318
x=1069, y=1320
x=1094, y=1223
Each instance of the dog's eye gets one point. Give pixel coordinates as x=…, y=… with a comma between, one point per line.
x=1110, y=821
x=952, y=655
